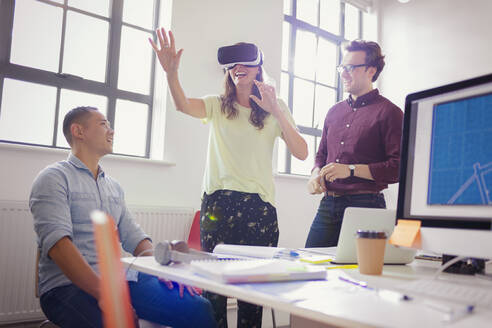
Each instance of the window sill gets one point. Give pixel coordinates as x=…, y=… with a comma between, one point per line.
x=65, y=152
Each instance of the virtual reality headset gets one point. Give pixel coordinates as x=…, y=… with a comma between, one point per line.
x=246, y=54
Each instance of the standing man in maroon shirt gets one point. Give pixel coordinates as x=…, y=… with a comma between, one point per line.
x=359, y=153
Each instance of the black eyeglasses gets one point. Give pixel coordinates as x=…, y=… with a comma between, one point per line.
x=348, y=68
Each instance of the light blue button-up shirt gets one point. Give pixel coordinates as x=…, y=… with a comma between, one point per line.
x=62, y=197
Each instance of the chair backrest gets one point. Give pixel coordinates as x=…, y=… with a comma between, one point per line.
x=194, y=236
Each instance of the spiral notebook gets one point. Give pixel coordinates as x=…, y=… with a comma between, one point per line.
x=257, y=270
x=262, y=252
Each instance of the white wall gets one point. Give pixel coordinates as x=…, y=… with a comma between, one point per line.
x=433, y=42
x=200, y=28
x=428, y=43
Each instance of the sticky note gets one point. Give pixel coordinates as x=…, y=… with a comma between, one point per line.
x=346, y=266
x=317, y=259
x=406, y=233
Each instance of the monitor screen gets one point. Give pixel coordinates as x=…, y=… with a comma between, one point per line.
x=446, y=166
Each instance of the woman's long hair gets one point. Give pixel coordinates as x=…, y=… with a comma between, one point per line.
x=257, y=116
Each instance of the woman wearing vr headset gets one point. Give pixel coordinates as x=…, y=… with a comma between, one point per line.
x=238, y=187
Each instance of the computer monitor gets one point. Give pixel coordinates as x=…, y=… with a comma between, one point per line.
x=446, y=167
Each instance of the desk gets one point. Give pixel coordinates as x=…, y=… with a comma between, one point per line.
x=329, y=301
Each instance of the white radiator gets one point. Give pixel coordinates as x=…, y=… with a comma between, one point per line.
x=17, y=262
x=18, y=252
x=164, y=223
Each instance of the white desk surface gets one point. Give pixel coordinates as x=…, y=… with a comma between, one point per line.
x=331, y=301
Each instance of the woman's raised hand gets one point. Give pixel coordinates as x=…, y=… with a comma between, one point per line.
x=268, y=99
x=168, y=57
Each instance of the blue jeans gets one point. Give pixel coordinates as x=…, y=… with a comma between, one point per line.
x=326, y=226
x=69, y=306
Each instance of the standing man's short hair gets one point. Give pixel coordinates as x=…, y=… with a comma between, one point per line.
x=75, y=115
x=374, y=57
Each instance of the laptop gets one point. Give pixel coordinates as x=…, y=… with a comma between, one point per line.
x=356, y=218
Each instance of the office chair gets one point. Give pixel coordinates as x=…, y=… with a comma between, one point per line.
x=46, y=323
x=194, y=236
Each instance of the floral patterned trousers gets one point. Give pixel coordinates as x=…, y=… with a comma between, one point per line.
x=233, y=217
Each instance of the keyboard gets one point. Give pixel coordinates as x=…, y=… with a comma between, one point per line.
x=480, y=296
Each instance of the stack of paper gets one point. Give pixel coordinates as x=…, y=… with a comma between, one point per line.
x=262, y=252
x=257, y=270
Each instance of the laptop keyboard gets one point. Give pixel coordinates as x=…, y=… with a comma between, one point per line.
x=452, y=291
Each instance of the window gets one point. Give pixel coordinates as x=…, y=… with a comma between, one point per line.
x=313, y=32
x=59, y=54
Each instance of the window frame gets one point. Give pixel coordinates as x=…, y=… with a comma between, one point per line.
x=295, y=24
x=108, y=88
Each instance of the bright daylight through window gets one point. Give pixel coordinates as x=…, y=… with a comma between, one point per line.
x=313, y=34
x=59, y=54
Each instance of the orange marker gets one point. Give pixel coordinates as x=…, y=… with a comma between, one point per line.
x=115, y=297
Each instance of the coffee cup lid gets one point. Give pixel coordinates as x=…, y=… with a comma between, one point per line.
x=373, y=234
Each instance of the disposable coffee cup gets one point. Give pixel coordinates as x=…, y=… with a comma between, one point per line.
x=370, y=251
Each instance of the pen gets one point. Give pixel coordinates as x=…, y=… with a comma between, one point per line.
x=388, y=295
x=294, y=253
x=286, y=254
x=451, y=314
x=392, y=296
x=359, y=283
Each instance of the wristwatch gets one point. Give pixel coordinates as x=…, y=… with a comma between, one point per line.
x=352, y=169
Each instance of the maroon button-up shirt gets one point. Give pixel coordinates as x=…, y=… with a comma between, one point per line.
x=365, y=131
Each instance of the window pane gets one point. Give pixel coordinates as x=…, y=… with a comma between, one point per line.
x=36, y=35
x=139, y=12
x=288, y=7
x=303, y=102
x=130, y=128
x=100, y=7
x=285, y=45
x=304, y=167
x=86, y=45
x=135, y=61
x=284, y=87
x=307, y=10
x=325, y=99
x=330, y=16
x=282, y=149
x=327, y=62
x=70, y=99
x=369, y=27
x=305, y=55
x=351, y=22
x=27, y=119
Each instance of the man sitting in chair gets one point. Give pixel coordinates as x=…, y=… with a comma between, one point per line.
x=62, y=197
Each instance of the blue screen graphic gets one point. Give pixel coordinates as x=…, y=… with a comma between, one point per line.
x=461, y=153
